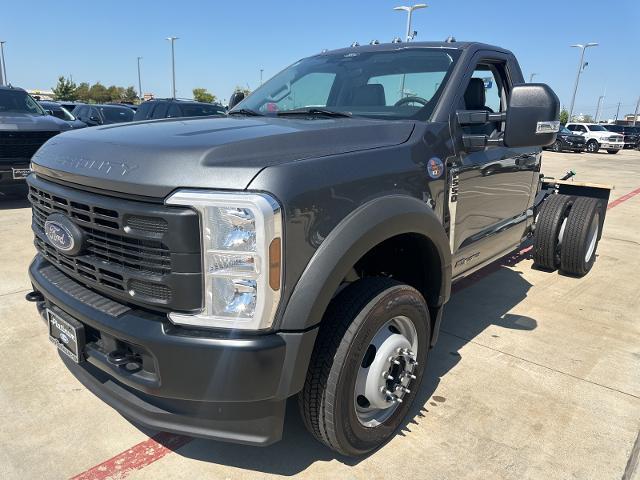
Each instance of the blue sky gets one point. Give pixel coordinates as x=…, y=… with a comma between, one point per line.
x=222, y=45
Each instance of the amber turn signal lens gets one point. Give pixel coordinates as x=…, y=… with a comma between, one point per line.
x=275, y=262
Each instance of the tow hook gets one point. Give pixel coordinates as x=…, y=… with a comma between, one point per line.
x=121, y=357
x=34, y=297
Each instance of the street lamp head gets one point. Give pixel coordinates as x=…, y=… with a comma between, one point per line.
x=592, y=44
x=172, y=38
x=411, y=8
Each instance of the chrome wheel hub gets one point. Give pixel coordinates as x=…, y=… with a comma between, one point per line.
x=386, y=371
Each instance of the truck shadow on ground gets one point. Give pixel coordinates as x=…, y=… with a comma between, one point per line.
x=475, y=306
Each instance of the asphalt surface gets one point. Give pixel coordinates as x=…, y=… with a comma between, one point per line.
x=536, y=375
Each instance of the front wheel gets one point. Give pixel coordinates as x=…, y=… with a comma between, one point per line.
x=613, y=152
x=367, y=365
x=593, y=146
x=557, y=146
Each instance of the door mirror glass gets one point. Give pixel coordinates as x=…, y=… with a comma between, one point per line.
x=532, y=117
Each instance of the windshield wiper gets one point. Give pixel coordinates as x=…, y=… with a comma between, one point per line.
x=314, y=111
x=246, y=111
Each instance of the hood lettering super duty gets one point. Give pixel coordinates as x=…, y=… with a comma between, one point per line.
x=156, y=157
x=106, y=167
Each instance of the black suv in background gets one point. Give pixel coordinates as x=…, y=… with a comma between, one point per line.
x=567, y=140
x=105, y=114
x=631, y=134
x=172, y=108
x=24, y=127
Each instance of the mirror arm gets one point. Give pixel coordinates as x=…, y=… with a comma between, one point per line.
x=478, y=142
x=479, y=117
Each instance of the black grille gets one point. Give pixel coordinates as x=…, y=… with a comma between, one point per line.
x=144, y=253
x=22, y=144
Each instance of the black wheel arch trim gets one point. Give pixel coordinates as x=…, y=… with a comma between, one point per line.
x=364, y=228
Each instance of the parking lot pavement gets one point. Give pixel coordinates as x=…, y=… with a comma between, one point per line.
x=536, y=375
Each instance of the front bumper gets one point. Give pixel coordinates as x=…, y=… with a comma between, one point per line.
x=612, y=146
x=230, y=387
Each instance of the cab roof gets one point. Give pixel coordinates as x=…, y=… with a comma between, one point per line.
x=387, y=47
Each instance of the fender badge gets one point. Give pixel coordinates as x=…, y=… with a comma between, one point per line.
x=435, y=167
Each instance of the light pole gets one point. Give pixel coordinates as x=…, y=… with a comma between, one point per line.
x=3, y=74
x=139, y=80
x=635, y=115
x=531, y=77
x=580, y=68
x=409, y=36
x=173, y=66
x=261, y=70
x=409, y=11
x=600, y=98
x=618, y=111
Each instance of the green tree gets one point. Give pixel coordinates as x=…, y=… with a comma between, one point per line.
x=564, y=116
x=130, y=95
x=99, y=93
x=587, y=118
x=202, y=95
x=82, y=92
x=115, y=94
x=65, y=89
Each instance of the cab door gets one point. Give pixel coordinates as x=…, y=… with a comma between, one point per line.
x=490, y=188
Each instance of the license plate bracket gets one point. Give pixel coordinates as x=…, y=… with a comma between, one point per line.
x=20, y=173
x=67, y=335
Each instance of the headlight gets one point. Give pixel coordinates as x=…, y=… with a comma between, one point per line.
x=241, y=258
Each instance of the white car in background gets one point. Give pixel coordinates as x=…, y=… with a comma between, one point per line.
x=598, y=137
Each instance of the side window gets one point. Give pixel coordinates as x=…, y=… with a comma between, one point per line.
x=311, y=90
x=580, y=128
x=94, y=112
x=571, y=127
x=174, y=111
x=160, y=111
x=143, y=111
x=492, y=89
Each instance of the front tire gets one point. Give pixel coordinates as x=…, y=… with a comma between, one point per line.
x=557, y=146
x=372, y=347
x=593, y=146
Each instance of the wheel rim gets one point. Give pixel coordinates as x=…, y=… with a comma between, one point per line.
x=386, y=371
x=556, y=146
x=591, y=240
x=592, y=147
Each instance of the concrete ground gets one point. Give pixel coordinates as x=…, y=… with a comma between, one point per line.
x=535, y=375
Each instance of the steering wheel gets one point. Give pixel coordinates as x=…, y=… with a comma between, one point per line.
x=405, y=100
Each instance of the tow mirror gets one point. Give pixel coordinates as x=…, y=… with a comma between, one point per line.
x=531, y=119
x=236, y=98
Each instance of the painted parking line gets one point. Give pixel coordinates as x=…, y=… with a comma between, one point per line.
x=158, y=446
x=135, y=458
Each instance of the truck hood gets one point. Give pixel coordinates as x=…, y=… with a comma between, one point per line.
x=154, y=158
x=26, y=122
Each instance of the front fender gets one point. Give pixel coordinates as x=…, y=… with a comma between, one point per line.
x=363, y=229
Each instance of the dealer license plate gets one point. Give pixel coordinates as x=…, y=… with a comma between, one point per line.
x=66, y=334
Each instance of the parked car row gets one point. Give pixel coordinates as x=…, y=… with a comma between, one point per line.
x=597, y=137
x=26, y=124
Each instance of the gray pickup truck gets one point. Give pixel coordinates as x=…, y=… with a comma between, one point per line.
x=24, y=127
x=197, y=273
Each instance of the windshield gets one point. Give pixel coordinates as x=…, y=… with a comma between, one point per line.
x=117, y=114
x=398, y=84
x=19, y=102
x=596, y=128
x=201, y=110
x=58, y=111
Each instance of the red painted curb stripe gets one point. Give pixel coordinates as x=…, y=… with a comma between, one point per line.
x=137, y=457
x=156, y=447
x=623, y=198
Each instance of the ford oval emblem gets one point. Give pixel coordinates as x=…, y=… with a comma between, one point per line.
x=59, y=236
x=64, y=338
